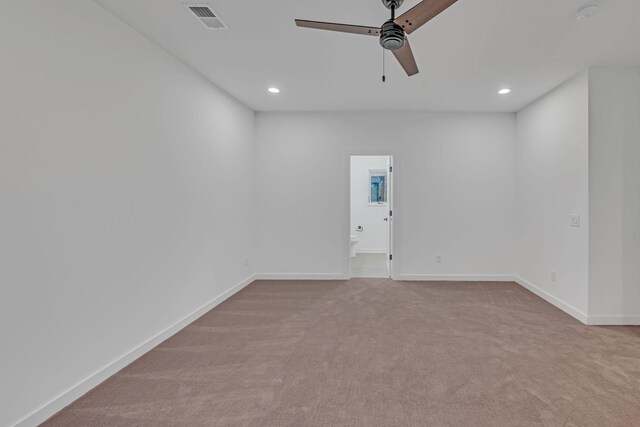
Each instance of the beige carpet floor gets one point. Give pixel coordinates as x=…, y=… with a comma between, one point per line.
x=372, y=352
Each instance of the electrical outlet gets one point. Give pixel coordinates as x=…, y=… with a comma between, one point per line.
x=439, y=259
x=554, y=276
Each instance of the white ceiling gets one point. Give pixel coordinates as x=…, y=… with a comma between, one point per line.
x=465, y=55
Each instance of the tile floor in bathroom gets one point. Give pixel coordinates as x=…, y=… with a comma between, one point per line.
x=369, y=265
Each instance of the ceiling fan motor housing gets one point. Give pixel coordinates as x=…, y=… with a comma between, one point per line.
x=391, y=35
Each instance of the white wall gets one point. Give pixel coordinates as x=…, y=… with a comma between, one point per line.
x=455, y=176
x=129, y=189
x=579, y=153
x=126, y=183
x=552, y=184
x=614, y=111
x=375, y=234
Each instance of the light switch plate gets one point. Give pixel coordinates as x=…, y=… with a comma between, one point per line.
x=575, y=220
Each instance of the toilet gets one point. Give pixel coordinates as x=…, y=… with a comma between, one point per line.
x=354, y=242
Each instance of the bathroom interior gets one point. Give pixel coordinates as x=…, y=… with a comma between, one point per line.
x=370, y=220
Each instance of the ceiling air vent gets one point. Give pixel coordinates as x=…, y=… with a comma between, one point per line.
x=207, y=16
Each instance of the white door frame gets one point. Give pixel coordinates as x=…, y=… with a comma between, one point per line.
x=394, y=202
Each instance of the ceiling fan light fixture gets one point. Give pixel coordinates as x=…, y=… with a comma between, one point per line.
x=391, y=35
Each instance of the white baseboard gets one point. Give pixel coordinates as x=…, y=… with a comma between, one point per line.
x=455, y=278
x=51, y=408
x=301, y=276
x=371, y=251
x=572, y=311
x=601, y=320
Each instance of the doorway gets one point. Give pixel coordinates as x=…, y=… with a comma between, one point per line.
x=371, y=216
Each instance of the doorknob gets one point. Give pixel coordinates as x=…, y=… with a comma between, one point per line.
x=386, y=219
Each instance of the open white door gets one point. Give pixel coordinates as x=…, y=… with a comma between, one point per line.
x=390, y=221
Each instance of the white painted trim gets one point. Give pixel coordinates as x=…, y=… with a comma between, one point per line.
x=301, y=276
x=455, y=278
x=613, y=320
x=371, y=251
x=66, y=398
x=569, y=309
x=51, y=408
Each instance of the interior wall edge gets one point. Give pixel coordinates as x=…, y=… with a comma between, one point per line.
x=186, y=65
x=69, y=396
x=552, y=184
x=301, y=276
x=584, y=71
x=311, y=150
x=614, y=320
x=569, y=309
x=456, y=278
x=125, y=200
x=74, y=393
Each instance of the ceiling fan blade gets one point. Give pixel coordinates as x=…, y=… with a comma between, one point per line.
x=343, y=28
x=422, y=13
x=404, y=55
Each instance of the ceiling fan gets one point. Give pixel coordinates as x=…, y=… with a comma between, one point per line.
x=393, y=33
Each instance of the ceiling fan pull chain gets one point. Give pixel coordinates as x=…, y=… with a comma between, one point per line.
x=392, y=35
x=384, y=77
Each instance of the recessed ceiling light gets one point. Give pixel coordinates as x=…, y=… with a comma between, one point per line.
x=504, y=91
x=274, y=90
x=586, y=12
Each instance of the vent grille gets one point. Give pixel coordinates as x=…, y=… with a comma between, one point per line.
x=202, y=11
x=207, y=16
